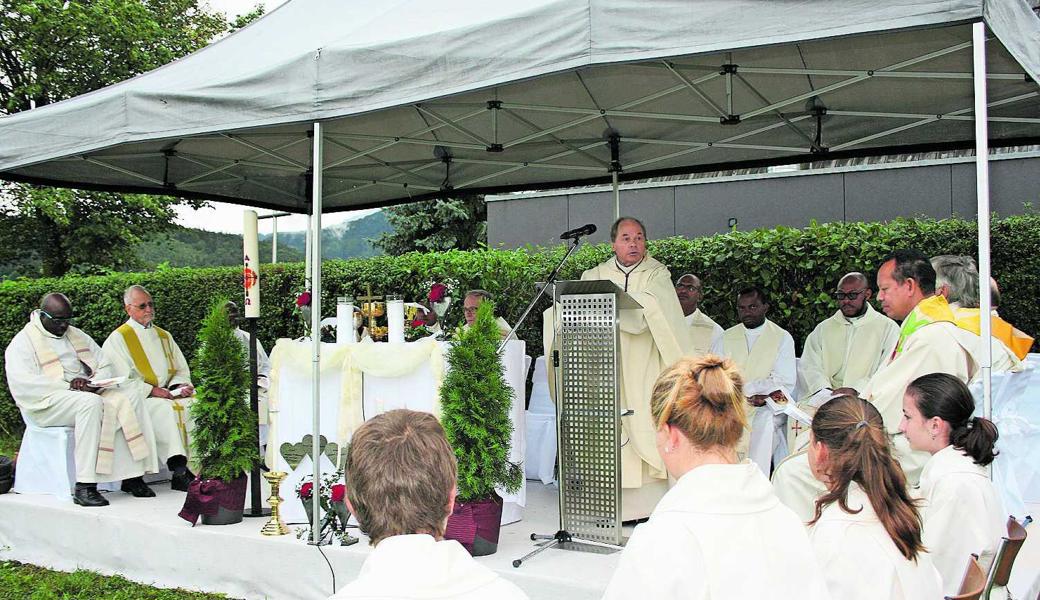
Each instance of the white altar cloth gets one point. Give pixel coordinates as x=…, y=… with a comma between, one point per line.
x=291, y=414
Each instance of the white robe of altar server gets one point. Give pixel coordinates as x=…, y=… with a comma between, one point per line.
x=169, y=437
x=841, y=352
x=705, y=333
x=263, y=372
x=861, y=562
x=962, y=514
x=766, y=359
x=939, y=347
x=49, y=402
x=652, y=339
x=417, y=567
x=720, y=533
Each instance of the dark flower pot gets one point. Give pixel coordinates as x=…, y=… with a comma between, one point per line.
x=476, y=525
x=217, y=502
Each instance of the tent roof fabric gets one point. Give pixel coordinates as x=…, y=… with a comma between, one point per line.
x=422, y=99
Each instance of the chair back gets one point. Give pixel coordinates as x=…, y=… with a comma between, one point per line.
x=1000, y=572
x=973, y=583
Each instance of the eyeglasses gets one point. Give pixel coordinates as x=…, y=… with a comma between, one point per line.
x=849, y=295
x=143, y=305
x=68, y=319
x=469, y=311
x=687, y=286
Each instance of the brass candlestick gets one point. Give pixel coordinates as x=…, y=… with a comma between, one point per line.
x=275, y=526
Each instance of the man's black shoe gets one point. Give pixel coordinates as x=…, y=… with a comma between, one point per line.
x=86, y=494
x=181, y=479
x=136, y=487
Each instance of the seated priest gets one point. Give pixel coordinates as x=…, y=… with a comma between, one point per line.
x=931, y=340
x=651, y=339
x=842, y=353
x=764, y=353
x=51, y=371
x=263, y=367
x=469, y=310
x=402, y=473
x=957, y=278
x=704, y=332
x=150, y=358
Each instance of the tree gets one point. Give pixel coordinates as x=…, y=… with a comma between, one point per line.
x=436, y=225
x=51, y=50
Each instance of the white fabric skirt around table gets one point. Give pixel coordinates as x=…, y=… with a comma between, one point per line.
x=415, y=368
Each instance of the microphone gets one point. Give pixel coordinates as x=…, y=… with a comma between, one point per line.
x=579, y=232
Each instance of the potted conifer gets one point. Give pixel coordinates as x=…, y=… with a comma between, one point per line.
x=224, y=442
x=475, y=406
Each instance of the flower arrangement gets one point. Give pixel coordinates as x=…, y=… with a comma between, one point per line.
x=439, y=295
x=332, y=493
x=302, y=307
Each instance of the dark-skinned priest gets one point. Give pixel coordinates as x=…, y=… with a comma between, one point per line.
x=651, y=339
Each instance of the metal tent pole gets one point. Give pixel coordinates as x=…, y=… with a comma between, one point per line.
x=315, y=256
x=978, y=34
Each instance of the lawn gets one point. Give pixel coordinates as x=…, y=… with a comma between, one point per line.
x=29, y=582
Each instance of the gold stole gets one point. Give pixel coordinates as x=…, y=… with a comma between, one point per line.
x=753, y=365
x=117, y=413
x=133, y=344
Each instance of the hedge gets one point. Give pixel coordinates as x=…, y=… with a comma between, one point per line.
x=796, y=267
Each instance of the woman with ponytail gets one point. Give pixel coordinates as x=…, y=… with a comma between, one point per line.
x=866, y=531
x=962, y=512
x=720, y=532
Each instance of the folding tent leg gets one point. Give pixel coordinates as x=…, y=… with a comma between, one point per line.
x=315, y=255
x=978, y=33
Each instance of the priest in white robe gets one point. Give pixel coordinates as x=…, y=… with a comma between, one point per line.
x=155, y=367
x=652, y=338
x=930, y=341
x=842, y=353
x=470, y=304
x=764, y=353
x=55, y=373
x=705, y=333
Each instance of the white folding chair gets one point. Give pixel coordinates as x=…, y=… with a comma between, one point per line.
x=540, y=458
x=46, y=461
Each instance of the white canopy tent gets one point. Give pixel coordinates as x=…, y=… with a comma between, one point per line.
x=325, y=105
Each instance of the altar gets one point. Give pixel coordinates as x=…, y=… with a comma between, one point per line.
x=359, y=381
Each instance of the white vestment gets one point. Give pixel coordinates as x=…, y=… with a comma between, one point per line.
x=171, y=419
x=651, y=340
x=417, y=567
x=705, y=333
x=263, y=372
x=962, y=514
x=840, y=352
x=939, y=347
x=860, y=560
x=765, y=357
x=48, y=402
x=718, y=534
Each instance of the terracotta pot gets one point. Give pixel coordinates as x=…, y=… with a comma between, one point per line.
x=476, y=525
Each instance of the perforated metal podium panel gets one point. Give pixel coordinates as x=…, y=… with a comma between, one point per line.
x=589, y=420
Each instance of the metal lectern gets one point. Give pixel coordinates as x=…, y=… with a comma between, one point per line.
x=586, y=351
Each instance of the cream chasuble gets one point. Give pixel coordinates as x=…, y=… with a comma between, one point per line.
x=840, y=352
x=652, y=338
x=765, y=358
x=962, y=514
x=705, y=333
x=161, y=360
x=860, y=560
x=718, y=534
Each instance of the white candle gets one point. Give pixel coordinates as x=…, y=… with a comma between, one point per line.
x=395, y=319
x=345, y=331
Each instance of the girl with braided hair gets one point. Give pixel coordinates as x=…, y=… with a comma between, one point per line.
x=962, y=511
x=866, y=531
x=720, y=532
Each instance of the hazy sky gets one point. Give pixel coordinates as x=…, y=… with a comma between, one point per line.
x=237, y=7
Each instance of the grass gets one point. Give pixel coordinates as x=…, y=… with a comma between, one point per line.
x=28, y=582
x=9, y=444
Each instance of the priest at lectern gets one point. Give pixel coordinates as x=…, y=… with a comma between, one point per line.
x=652, y=338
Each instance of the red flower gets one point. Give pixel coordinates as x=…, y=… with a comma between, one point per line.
x=305, y=490
x=418, y=322
x=437, y=292
x=338, y=492
x=303, y=299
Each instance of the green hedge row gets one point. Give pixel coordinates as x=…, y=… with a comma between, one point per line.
x=797, y=268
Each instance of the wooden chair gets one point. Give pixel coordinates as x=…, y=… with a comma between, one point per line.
x=1000, y=572
x=974, y=582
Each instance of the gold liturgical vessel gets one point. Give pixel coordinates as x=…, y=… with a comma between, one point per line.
x=275, y=526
